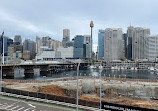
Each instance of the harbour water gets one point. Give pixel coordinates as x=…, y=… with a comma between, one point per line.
x=138, y=74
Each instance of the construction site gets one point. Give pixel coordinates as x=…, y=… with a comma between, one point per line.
x=131, y=92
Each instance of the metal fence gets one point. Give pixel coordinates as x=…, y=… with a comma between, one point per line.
x=52, y=97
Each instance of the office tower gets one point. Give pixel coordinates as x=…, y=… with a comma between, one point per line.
x=46, y=41
x=91, y=25
x=125, y=44
x=101, y=36
x=55, y=44
x=66, y=37
x=66, y=34
x=138, y=36
x=26, y=55
x=130, y=32
x=64, y=53
x=78, y=46
x=113, y=48
x=87, y=47
x=11, y=50
x=46, y=44
x=38, y=44
x=151, y=49
x=18, y=40
x=7, y=42
x=70, y=44
x=82, y=46
x=29, y=45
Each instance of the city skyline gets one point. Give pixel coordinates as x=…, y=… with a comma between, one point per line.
x=39, y=18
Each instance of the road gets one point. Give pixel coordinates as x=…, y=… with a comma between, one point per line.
x=13, y=104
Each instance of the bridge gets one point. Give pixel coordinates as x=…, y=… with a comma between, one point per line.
x=33, y=69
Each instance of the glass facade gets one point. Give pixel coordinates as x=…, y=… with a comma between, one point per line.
x=7, y=42
x=82, y=47
x=101, y=36
x=78, y=46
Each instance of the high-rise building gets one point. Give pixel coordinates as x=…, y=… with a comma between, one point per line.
x=26, y=55
x=38, y=44
x=70, y=44
x=64, y=53
x=18, y=40
x=151, y=47
x=55, y=44
x=29, y=45
x=125, y=44
x=82, y=47
x=66, y=34
x=137, y=37
x=7, y=42
x=46, y=43
x=113, y=48
x=66, y=37
x=78, y=46
x=87, y=47
x=101, y=36
x=11, y=50
x=130, y=32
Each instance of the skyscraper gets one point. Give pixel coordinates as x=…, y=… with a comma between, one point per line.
x=78, y=46
x=87, y=47
x=7, y=42
x=18, y=39
x=137, y=35
x=101, y=36
x=125, y=44
x=130, y=32
x=29, y=45
x=38, y=44
x=66, y=37
x=82, y=47
x=151, y=49
x=113, y=48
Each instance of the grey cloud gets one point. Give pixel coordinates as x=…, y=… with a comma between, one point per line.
x=48, y=17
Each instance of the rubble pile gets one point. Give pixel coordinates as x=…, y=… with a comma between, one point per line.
x=55, y=90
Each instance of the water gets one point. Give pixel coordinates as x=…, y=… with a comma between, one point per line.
x=139, y=74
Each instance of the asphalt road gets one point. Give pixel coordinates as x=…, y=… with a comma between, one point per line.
x=13, y=104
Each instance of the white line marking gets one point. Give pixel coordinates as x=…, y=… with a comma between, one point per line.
x=14, y=107
x=26, y=109
x=20, y=108
x=9, y=106
x=32, y=105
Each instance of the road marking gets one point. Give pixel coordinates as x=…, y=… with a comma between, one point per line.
x=14, y=107
x=3, y=105
x=26, y=109
x=32, y=105
x=9, y=106
x=20, y=108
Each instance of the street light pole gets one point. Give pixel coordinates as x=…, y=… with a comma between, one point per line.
x=77, y=86
x=100, y=70
x=1, y=76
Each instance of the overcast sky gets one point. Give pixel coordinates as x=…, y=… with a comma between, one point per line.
x=31, y=18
